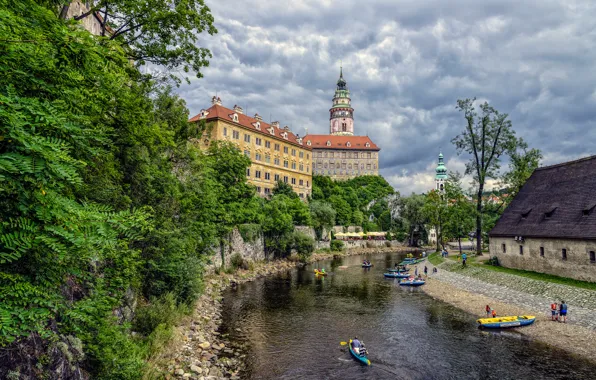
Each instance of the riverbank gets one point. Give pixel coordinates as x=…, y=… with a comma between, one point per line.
x=198, y=351
x=471, y=289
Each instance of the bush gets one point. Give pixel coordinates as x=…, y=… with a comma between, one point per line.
x=337, y=245
x=388, y=244
x=238, y=261
x=161, y=311
x=249, y=232
x=303, y=244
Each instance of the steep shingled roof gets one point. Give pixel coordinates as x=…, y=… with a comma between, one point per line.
x=557, y=201
x=217, y=111
x=340, y=142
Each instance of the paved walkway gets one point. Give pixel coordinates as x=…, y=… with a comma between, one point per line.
x=533, y=295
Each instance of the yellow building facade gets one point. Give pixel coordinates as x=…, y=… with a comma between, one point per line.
x=276, y=153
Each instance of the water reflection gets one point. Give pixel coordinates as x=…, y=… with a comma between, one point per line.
x=292, y=325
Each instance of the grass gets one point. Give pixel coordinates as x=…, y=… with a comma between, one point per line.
x=541, y=276
x=435, y=258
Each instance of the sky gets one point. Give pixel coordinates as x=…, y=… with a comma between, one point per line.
x=407, y=62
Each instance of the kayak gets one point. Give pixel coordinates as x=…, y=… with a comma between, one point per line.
x=401, y=270
x=411, y=282
x=396, y=275
x=366, y=265
x=319, y=273
x=411, y=262
x=506, y=322
x=361, y=358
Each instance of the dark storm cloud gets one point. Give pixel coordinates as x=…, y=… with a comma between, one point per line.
x=406, y=63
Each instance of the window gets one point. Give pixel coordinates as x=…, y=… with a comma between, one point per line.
x=301, y=168
x=331, y=154
x=276, y=161
x=276, y=147
x=248, y=172
x=247, y=153
x=306, y=183
x=541, y=251
x=257, y=174
x=267, y=145
x=592, y=257
x=259, y=189
x=225, y=131
x=301, y=195
x=267, y=176
x=307, y=169
x=246, y=138
x=236, y=135
x=258, y=141
x=343, y=155
x=521, y=249
x=293, y=152
x=286, y=179
x=258, y=156
x=367, y=166
x=267, y=159
x=301, y=182
x=285, y=164
x=564, y=254
x=368, y=155
x=293, y=165
x=301, y=155
x=293, y=181
x=276, y=178
x=285, y=149
x=267, y=191
x=307, y=156
x=503, y=248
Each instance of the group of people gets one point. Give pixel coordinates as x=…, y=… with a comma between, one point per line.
x=490, y=312
x=559, y=312
x=366, y=262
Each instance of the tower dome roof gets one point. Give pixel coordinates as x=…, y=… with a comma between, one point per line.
x=341, y=82
x=441, y=170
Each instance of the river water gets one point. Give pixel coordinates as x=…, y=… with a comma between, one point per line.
x=291, y=326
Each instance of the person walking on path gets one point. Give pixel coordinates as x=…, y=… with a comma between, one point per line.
x=416, y=272
x=563, y=312
x=425, y=271
x=553, y=311
x=487, y=311
x=435, y=270
x=464, y=257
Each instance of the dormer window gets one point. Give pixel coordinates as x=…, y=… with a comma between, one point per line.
x=299, y=140
x=271, y=130
x=348, y=144
x=284, y=135
x=589, y=209
x=203, y=114
x=328, y=143
x=367, y=145
x=308, y=143
x=549, y=213
x=234, y=117
x=525, y=213
x=257, y=125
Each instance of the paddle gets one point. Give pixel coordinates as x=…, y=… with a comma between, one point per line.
x=343, y=343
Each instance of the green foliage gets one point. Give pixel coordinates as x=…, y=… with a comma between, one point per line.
x=282, y=188
x=238, y=261
x=249, y=232
x=303, y=244
x=322, y=216
x=336, y=245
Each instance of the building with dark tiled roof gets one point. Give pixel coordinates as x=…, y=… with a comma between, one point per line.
x=550, y=226
x=276, y=153
x=341, y=155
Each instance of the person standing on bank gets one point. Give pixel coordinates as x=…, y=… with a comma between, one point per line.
x=425, y=271
x=563, y=312
x=553, y=311
x=464, y=257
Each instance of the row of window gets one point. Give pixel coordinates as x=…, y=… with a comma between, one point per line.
x=267, y=191
x=259, y=141
x=591, y=254
x=343, y=166
x=345, y=154
x=342, y=172
x=276, y=177
x=276, y=161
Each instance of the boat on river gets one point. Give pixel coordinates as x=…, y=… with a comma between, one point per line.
x=320, y=273
x=506, y=322
x=400, y=270
x=412, y=282
x=361, y=358
x=411, y=262
x=396, y=275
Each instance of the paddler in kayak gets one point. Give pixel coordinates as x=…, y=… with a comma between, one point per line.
x=358, y=347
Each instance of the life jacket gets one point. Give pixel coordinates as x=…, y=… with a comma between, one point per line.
x=494, y=313
x=553, y=306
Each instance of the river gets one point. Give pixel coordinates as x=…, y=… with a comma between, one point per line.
x=291, y=326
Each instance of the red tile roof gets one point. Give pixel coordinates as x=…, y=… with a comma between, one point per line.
x=219, y=112
x=340, y=142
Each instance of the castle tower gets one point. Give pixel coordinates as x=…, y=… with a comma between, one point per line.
x=341, y=114
x=441, y=174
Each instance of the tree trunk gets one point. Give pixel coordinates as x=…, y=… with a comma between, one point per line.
x=479, y=221
x=64, y=11
x=459, y=241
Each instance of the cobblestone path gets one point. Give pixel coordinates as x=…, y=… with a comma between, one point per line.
x=533, y=295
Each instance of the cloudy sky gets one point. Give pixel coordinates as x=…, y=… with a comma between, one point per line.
x=406, y=63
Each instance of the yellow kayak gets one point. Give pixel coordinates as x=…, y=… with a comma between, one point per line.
x=319, y=273
x=504, y=322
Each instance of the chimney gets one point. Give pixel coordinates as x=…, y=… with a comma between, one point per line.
x=238, y=109
x=258, y=117
x=286, y=128
x=275, y=124
x=216, y=100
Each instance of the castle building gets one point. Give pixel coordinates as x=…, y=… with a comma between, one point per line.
x=341, y=155
x=276, y=153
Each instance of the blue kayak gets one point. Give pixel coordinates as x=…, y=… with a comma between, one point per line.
x=397, y=270
x=396, y=275
x=506, y=322
x=361, y=358
x=411, y=282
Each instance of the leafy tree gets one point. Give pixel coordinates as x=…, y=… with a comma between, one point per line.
x=523, y=162
x=159, y=32
x=342, y=208
x=357, y=218
x=460, y=213
x=322, y=215
x=411, y=212
x=303, y=244
x=435, y=210
x=282, y=188
x=487, y=136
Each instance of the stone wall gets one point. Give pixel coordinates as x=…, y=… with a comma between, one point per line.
x=577, y=265
x=306, y=230
x=252, y=251
x=339, y=229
